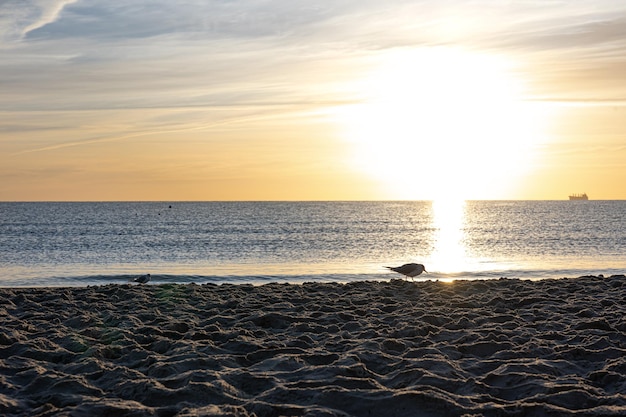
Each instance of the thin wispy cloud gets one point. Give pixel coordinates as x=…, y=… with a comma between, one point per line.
x=157, y=53
x=101, y=49
x=19, y=17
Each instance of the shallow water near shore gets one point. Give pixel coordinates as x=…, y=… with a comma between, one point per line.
x=79, y=244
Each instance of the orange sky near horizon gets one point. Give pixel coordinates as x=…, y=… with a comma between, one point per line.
x=358, y=101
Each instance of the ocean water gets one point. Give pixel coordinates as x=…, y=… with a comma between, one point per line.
x=76, y=244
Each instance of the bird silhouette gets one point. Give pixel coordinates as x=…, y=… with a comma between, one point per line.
x=143, y=279
x=408, y=270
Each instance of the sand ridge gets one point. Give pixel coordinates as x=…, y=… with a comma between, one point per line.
x=491, y=348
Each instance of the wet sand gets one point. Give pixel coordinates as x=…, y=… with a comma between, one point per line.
x=490, y=348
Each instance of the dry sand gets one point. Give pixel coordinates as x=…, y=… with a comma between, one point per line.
x=492, y=348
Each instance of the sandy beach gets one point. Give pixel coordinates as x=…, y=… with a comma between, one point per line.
x=490, y=348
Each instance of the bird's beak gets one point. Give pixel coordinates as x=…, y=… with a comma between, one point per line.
x=425, y=271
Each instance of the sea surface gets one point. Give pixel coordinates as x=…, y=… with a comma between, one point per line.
x=79, y=244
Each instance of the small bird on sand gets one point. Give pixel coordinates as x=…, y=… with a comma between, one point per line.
x=142, y=279
x=408, y=270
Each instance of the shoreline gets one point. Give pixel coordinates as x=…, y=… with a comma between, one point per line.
x=161, y=278
x=488, y=347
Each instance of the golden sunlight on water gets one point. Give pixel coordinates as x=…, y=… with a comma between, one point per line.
x=450, y=254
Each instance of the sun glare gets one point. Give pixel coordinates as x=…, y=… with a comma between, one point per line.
x=441, y=123
x=448, y=220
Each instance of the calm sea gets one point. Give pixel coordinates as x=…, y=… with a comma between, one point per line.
x=69, y=244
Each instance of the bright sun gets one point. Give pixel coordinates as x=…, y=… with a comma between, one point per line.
x=439, y=123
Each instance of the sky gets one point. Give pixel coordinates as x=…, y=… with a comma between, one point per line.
x=300, y=100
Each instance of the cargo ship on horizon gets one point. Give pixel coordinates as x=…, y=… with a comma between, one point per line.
x=582, y=196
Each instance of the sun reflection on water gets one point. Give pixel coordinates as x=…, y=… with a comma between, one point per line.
x=450, y=254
